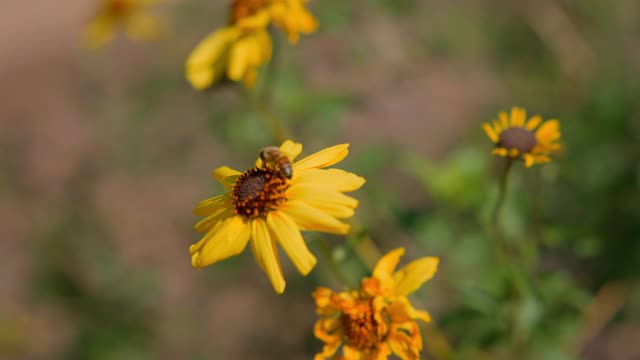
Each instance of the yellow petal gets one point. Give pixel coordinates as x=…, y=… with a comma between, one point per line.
x=228, y=240
x=220, y=213
x=528, y=160
x=387, y=264
x=100, y=31
x=409, y=278
x=266, y=254
x=336, y=179
x=518, y=117
x=291, y=149
x=497, y=127
x=310, y=218
x=403, y=346
x=288, y=236
x=533, y=122
x=141, y=25
x=325, y=199
x=499, y=151
x=513, y=153
x=548, y=132
x=256, y=22
x=323, y=158
x=504, y=120
x=328, y=351
x=226, y=176
x=207, y=62
x=490, y=132
x=351, y=353
x=209, y=206
x=239, y=57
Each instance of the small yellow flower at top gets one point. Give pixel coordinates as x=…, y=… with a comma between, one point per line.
x=132, y=16
x=239, y=49
x=516, y=138
x=271, y=203
x=376, y=320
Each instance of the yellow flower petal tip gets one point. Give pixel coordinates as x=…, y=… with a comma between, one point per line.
x=263, y=207
x=516, y=138
x=377, y=320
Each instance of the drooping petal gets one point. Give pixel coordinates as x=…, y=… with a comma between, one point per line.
x=323, y=158
x=226, y=176
x=309, y=218
x=288, y=236
x=387, y=264
x=266, y=254
x=239, y=58
x=229, y=239
x=402, y=345
x=337, y=179
x=410, y=277
x=490, y=132
x=529, y=160
x=504, y=120
x=328, y=351
x=207, y=62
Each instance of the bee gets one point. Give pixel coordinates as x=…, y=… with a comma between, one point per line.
x=273, y=158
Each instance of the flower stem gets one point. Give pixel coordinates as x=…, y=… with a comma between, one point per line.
x=333, y=265
x=502, y=191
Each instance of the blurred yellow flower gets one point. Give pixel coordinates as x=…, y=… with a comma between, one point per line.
x=132, y=15
x=376, y=320
x=266, y=207
x=516, y=138
x=238, y=50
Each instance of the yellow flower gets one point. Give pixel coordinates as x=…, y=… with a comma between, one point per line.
x=267, y=207
x=131, y=15
x=515, y=138
x=377, y=320
x=238, y=50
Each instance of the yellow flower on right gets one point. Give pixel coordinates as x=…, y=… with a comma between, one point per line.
x=530, y=140
x=377, y=320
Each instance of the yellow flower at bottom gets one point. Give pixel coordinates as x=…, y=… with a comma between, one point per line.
x=131, y=15
x=376, y=320
x=266, y=208
x=516, y=138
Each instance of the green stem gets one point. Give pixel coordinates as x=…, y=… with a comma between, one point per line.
x=333, y=265
x=502, y=191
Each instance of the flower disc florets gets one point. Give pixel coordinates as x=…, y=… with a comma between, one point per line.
x=518, y=138
x=258, y=191
x=361, y=328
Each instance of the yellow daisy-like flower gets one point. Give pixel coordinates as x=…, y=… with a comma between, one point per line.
x=132, y=15
x=238, y=50
x=376, y=320
x=267, y=207
x=516, y=138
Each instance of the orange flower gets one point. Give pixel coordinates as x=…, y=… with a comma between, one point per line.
x=378, y=319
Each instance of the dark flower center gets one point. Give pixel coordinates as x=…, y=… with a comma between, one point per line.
x=258, y=191
x=361, y=327
x=518, y=138
x=244, y=8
